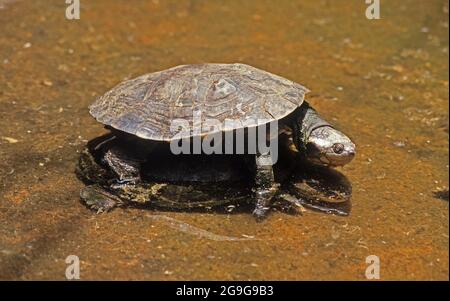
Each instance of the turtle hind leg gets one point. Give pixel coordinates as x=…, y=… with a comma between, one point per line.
x=124, y=166
x=98, y=199
x=89, y=171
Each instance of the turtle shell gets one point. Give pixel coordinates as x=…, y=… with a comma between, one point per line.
x=147, y=106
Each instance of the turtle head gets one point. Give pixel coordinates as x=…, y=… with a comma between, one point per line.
x=328, y=146
x=319, y=141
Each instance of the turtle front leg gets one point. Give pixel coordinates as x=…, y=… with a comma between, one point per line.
x=265, y=185
x=124, y=166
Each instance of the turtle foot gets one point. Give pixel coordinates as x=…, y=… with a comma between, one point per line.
x=99, y=199
x=263, y=202
x=260, y=214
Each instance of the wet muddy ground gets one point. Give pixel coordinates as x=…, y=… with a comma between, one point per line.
x=384, y=82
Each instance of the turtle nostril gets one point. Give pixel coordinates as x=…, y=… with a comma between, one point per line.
x=338, y=148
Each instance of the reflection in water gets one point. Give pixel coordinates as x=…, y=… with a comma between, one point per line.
x=181, y=183
x=323, y=189
x=192, y=230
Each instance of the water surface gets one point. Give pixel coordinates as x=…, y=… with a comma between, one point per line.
x=384, y=82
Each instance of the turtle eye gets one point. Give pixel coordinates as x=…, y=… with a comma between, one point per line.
x=338, y=148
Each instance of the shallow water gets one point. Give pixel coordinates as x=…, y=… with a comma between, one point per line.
x=384, y=82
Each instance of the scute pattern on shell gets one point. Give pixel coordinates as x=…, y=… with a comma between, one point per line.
x=146, y=106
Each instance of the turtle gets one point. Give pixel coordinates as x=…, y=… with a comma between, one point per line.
x=144, y=114
x=186, y=184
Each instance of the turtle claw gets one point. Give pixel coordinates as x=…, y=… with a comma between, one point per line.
x=102, y=206
x=121, y=184
x=98, y=199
